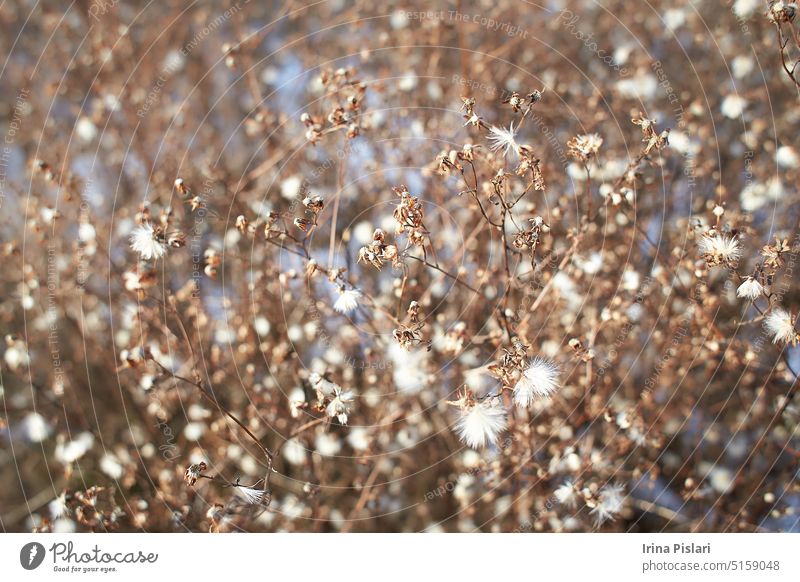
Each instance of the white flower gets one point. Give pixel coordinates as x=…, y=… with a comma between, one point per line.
x=249, y=494
x=481, y=423
x=720, y=248
x=609, y=503
x=750, y=289
x=339, y=406
x=781, y=325
x=347, y=301
x=539, y=379
x=144, y=241
x=503, y=139
x=566, y=494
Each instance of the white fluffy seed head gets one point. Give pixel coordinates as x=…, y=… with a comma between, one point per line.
x=501, y=139
x=481, y=423
x=566, y=494
x=347, y=301
x=750, y=289
x=539, y=380
x=720, y=248
x=250, y=495
x=609, y=503
x=781, y=325
x=143, y=241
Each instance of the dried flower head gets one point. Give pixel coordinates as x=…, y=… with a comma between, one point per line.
x=780, y=12
x=773, y=254
x=148, y=242
x=409, y=215
x=378, y=252
x=719, y=249
x=193, y=472
x=339, y=406
x=584, y=147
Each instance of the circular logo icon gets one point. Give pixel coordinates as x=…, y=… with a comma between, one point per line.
x=31, y=555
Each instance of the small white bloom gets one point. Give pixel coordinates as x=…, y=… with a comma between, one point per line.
x=733, y=106
x=194, y=430
x=111, y=466
x=750, y=289
x=250, y=495
x=327, y=444
x=609, y=503
x=347, y=301
x=16, y=355
x=85, y=129
x=295, y=452
x=566, y=494
x=481, y=423
x=744, y=9
x=781, y=325
x=409, y=370
x=144, y=241
x=787, y=157
x=742, y=65
x=358, y=439
x=291, y=186
x=674, y=18
x=58, y=507
x=539, y=379
x=262, y=326
x=322, y=386
x=720, y=248
x=35, y=427
x=339, y=406
x=503, y=139
x=297, y=400
x=70, y=451
x=86, y=232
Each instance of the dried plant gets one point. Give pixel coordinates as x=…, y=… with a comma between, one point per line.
x=263, y=275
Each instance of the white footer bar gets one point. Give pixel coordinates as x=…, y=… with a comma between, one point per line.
x=356, y=557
